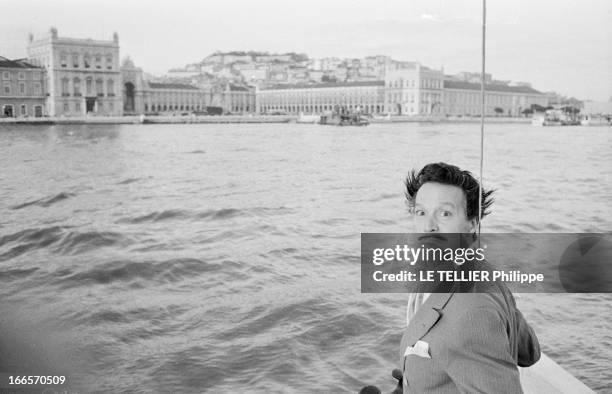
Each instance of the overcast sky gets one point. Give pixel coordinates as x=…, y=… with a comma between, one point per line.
x=558, y=45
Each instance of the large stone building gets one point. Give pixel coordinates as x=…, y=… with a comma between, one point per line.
x=407, y=89
x=144, y=97
x=162, y=97
x=22, y=91
x=463, y=99
x=239, y=99
x=82, y=75
x=413, y=89
x=318, y=98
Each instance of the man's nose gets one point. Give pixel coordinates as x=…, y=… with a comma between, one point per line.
x=431, y=225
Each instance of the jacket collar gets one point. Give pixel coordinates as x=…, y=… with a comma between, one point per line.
x=425, y=318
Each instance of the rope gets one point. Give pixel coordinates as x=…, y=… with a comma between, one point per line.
x=482, y=115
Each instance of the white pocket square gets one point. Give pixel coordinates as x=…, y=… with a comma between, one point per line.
x=421, y=349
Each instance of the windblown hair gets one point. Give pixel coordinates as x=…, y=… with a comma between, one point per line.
x=449, y=175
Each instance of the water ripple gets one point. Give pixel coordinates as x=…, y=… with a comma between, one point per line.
x=80, y=242
x=167, y=271
x=46, y=201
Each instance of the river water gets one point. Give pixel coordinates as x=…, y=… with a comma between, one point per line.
x=225, y=258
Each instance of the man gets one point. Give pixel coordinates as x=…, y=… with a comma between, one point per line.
x=460, y=342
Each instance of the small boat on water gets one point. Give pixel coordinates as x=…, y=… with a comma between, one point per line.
x=304, y=118
x=343, y=117
x=555, y=117
x=386, y=117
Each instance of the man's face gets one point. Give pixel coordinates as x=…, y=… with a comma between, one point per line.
x=441, y=208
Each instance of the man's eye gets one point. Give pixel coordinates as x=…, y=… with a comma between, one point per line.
x=447, y=213
x=419, y=212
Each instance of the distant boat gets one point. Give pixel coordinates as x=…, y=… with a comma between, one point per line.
x=386, y=117
x=344, y=117
x=555, y=117
x=302, y=118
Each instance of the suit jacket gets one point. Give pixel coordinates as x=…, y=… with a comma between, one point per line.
x=474, y=342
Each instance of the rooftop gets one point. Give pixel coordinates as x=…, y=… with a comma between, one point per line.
x=161, y=85
x=450, y=84
x=238, y=88
x=325, y=85
x=18, y=63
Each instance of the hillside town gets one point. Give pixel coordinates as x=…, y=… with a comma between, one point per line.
x=78, y=77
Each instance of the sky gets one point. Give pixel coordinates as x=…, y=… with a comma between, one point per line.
x=560, y=45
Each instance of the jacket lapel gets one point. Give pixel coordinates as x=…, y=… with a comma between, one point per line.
x=424, y=319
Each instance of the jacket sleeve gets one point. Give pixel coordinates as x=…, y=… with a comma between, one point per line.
x=479, y=359
x=528, y=345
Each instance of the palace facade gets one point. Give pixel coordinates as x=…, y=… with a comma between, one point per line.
x=407, y=89
x=82, y=74
x=22, y=90
x=463, y=99
x=143, y=97
x=317, y=98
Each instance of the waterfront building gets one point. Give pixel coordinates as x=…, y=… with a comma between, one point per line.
x=174, y=98
x=413, y=89
x=239, y=99
x=22, y=91
x=144, y=97
x=318, y=98
x=82, y=75
x=407, y=89
x=463, y=99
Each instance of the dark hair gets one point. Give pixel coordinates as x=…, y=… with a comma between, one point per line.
x=449, y=175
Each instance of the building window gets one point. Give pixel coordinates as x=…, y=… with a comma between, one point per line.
x=66, y=107
x=75, y=60
x=77, y=87
x=98, y=61
x=109, y=62
x=36, y=75
x=89, y=87
x=21, y=76
x=65, y=88
x=7, y=88
x=6, y=75
x=100, y=87
x=63, y=60
x=22, y=88
x=37, y=89
x=24, y=110
x=86, y=60
x=110, y=88
x=77, y=107
x=111, y=106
